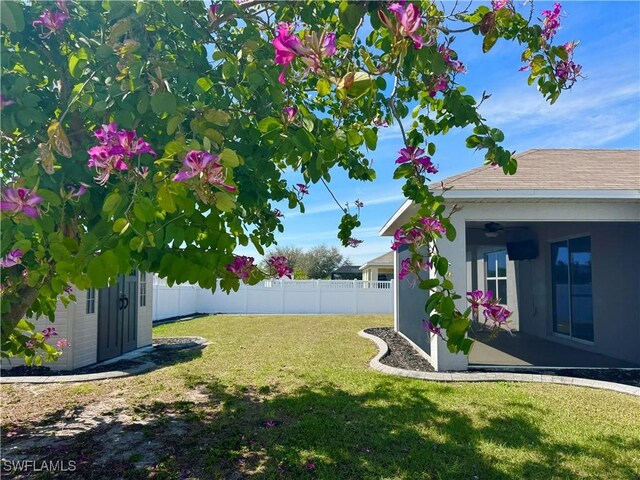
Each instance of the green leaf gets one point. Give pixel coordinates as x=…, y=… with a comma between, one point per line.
x=78, y=61
x=447, y=306
x=217, y=117
x=429, y=283
x=489, y=41
x=350, y=14
x=163, y=102
x=165, y=199
x=225, y=202
x=323, y=87
x=11, y=16
x=370, y=138
x=111, y=202
x=451, y=233
x=269, y=124
x=204, y=84
x=136, y=243
x=120, y=225
x=229, y=158
x=442, y=266
x=345, y=41
x=144, y=210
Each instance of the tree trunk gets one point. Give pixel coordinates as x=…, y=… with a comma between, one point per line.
x=18, y=311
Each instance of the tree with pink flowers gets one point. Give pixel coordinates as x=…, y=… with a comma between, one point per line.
x=154, y=135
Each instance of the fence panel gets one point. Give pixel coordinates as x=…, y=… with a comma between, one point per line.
x=276, y=296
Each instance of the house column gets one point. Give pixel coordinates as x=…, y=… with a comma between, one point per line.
x=455, y=252
x=374, y=274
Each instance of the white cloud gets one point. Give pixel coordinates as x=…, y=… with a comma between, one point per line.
x=333, y=207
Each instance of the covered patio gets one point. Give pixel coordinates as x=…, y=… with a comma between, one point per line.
x=522, y=350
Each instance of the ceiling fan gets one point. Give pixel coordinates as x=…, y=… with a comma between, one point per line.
x=494, y=229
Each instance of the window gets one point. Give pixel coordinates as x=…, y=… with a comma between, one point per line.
x=572, y=288
x=91, y=300
x=143, y=289
x=497, y=275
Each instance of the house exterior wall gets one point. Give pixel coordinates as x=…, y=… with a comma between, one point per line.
x=616, y=287
x=615, y=230
x=410, y=308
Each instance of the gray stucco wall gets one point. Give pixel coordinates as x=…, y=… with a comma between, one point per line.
x=616, y=286
x=411, y=308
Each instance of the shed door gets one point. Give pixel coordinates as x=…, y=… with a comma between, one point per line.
x=118, y=318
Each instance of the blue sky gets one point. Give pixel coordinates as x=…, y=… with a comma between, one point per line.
x=601, y=111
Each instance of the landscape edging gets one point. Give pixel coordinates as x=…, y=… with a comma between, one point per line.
x=383, y=350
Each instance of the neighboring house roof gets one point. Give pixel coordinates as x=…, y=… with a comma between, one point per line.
x=385, y=260
x=547, y=174
x=348, y=269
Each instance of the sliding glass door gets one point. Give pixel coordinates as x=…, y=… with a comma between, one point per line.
x=571, y=288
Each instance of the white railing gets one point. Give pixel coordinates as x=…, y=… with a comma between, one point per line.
x=275, y=296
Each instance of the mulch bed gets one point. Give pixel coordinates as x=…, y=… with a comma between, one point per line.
x=165, y=351
x=403, y=355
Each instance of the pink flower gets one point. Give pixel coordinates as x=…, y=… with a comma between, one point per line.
x=440, y=85
x=497, y=314
x=400, y=237
x=281, y=266
x=499, y=4
x=31, y=344
x=329, y=45
x=567, y=71
x=405, y=268
x=129, y=145
x=431, y=328
x=12, y=258
x=287, y=47
x=49, y=332
x=446, y=56
x=62, y=5
x=415, y=155
x=310, y=465
x=302, y=189
x=213, y=12
x=270, y=424
x=62, y=343
x=198, y=162
x=478, y=298
x=289, y=113
x=21, y=200
x=353, y=242
x=79, y=191
x=551, y=21
x=53, y=21
x=4, y=102
x=410, y=20
x=432, y=225
x=242, y=267
x=116, y=147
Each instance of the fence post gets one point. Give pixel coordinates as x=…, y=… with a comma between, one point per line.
x=282, y=294
x=357, y=294
x=318, y=296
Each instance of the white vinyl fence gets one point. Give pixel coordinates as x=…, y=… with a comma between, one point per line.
x=275, y=296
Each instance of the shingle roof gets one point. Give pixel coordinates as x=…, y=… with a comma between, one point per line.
x=386, y=259
x=558, y=169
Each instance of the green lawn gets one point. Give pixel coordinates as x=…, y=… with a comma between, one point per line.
x=272, y=392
